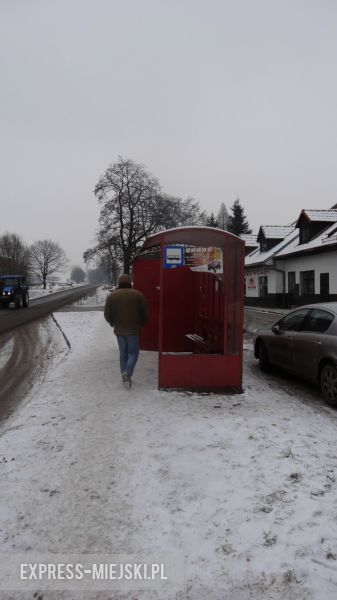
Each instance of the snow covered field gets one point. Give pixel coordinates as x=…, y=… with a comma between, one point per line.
x=97, y=298
x=242, y=487
x=39, y=292
x=94, y=299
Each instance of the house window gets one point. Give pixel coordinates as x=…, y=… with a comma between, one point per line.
x=307, y=282
x=304, y=233
x=291, y=282
x=263, y=286
x=324, y=285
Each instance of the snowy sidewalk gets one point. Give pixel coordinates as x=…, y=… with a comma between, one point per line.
x=244, y=486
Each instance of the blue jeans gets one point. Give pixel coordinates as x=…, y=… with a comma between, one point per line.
x=128, y=352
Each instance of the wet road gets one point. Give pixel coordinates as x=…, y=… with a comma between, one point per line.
x=24, y=356
x=257, y=319
x=39, y=307
x=27, y=341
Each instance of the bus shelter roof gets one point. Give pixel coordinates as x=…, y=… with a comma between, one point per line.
x=194, y=235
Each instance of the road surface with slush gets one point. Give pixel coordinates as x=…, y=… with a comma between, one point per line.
x=39, y=307
x=25, y=340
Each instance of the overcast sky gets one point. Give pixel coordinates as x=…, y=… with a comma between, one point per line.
x=218, y=99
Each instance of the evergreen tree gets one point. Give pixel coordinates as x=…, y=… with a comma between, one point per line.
x=211, y=221
x=237, y=222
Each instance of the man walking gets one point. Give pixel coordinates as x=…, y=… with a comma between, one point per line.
x=126, y=310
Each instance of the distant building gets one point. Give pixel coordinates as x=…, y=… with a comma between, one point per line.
x=295, y=264
x=271, y=235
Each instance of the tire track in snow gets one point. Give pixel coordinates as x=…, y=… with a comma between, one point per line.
x=26, y=354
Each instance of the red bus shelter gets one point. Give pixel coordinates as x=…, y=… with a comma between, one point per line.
x=192, y=278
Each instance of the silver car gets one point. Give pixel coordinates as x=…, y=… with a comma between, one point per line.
x=304, y=342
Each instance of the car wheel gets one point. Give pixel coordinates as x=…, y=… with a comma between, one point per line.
x=26, y=300
x=329, y=383
x=263, y=357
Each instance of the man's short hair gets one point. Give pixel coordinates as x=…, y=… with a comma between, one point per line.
x=124, y=280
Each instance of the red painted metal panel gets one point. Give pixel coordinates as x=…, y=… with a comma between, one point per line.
x=146, y=280
x=178, y=315
x=200, y=371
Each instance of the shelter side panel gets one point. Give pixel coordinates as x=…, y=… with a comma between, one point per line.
x=202, y=371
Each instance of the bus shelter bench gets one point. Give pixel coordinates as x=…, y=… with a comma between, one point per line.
x=203, y=346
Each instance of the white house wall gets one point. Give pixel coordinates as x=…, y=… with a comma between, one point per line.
x=320, y=263
x=275, y=281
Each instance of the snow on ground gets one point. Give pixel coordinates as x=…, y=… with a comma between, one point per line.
x=6, y=351
x=97, y=298
x=243, y=487
x=39, y=292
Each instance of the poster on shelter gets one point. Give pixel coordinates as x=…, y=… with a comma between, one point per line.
x=208, y=259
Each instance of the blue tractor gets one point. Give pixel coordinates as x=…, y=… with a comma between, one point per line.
x=13, y=288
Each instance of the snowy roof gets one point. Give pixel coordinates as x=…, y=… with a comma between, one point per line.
x=276, y=231
x=328, y=237
x=249, y=239
x=318, y=215
x=290, y=237
x=256, y=257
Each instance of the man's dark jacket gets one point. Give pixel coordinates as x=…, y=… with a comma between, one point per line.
x=126, y=310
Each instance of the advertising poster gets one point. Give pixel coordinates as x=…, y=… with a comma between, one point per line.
x=209, y=259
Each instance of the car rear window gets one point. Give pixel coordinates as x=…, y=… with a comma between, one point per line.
x=318, y=321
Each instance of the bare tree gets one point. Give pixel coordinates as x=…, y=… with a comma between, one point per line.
x=14, y=254
x=223, y=217
x=96, y=276
x=128, y=195
x=177, y=212
x=105, y=256
x=46, y=258
x=110, y=266
x=106, y=260
x=77, y=274
x=132, y=208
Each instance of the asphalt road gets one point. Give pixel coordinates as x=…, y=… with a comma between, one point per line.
x=256, y=318
x=24, y=356
x=39, y=307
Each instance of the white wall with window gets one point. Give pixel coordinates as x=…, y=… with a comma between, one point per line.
x=317, y=272
x=260, y=282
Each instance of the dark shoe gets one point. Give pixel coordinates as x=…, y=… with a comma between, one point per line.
x=126, y=380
